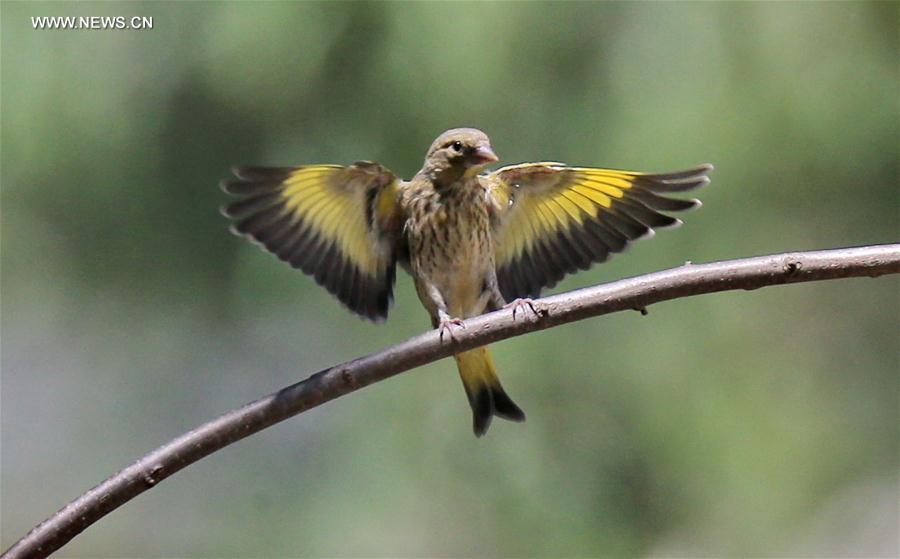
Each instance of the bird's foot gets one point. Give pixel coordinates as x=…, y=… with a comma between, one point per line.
x=446, y=326
x=521, y=304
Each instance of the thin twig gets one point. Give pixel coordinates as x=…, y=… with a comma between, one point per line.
x=633, y=293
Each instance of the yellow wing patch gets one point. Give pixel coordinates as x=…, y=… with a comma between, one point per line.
x=556, y=219
x=315, y=195
x=332, y=222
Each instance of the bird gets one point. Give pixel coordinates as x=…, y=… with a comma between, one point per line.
x=473, y=240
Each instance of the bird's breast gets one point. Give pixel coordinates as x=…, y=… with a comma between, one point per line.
x=450, y=243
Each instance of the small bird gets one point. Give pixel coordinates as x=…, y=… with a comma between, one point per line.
x=473, y=241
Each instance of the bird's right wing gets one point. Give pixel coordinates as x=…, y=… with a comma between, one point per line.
x=337, y=224
x=555, y=219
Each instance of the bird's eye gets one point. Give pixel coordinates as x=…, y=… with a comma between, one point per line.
x=457, y=146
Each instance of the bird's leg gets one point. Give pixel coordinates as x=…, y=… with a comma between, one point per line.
x=496, y=298
x=445, y=321
x=520, y=304
x=498, y=302
x=446, y=324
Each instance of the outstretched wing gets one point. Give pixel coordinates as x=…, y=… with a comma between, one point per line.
x=555, y=219
x=337, y=224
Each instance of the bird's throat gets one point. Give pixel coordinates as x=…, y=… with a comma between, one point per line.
x=447, y=178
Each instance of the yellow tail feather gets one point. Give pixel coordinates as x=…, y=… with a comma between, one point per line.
x=486, y=394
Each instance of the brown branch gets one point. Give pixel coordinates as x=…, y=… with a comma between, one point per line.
x=632, y=293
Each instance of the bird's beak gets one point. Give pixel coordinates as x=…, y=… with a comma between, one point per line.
x=482, y=155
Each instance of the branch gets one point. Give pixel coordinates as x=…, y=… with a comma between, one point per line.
x=331, y=383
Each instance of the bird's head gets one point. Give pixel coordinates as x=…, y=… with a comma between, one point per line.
x=458, y=153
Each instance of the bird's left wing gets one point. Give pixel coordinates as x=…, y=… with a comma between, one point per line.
x=555, y=219
x=337, y=224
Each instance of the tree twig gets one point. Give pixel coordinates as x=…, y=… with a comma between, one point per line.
x=633, y=293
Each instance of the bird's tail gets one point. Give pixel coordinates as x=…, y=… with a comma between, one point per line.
x=486, y=394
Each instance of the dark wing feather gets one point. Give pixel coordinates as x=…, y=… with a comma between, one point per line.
x=336, y=224
x=555, y=219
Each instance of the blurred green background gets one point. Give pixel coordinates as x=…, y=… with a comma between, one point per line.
x=751, y=424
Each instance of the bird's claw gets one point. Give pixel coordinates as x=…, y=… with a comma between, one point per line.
x=522, y=303
x=447, y=325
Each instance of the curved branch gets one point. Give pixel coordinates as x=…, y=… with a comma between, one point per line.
x=633, y=293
